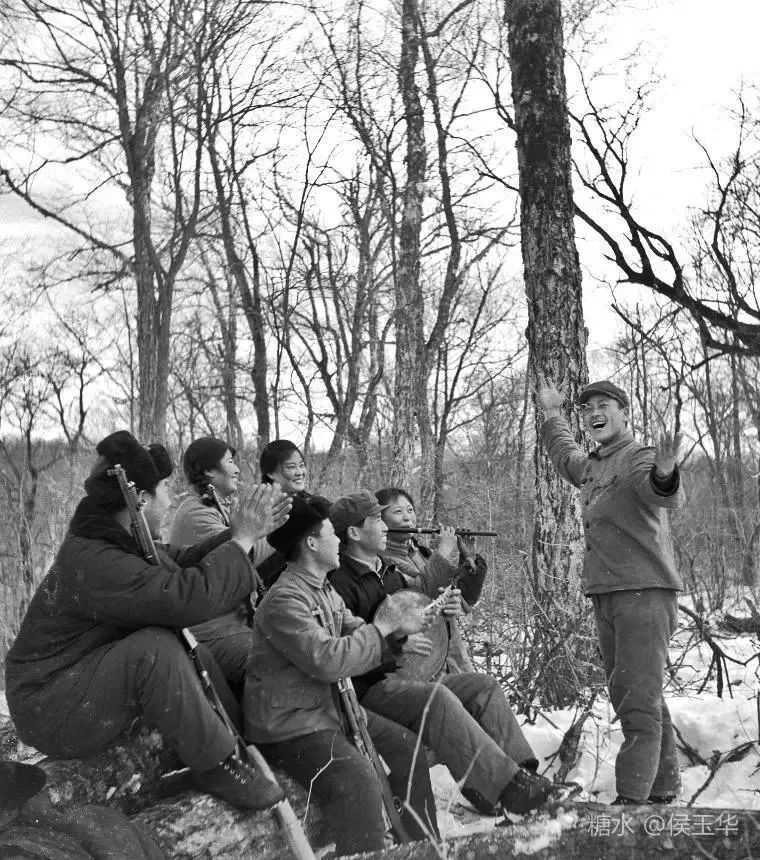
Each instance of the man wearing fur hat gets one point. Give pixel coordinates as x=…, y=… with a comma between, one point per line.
x=97, y=647
x=304, y=642
x=210, y=468
x=629, y=572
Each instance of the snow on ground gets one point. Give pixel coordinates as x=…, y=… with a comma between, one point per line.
x=717, y=729
x=723, y=732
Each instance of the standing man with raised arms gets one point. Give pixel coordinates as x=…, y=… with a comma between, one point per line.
x=629, y=572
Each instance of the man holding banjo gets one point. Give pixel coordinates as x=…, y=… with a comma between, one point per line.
x=465, y=717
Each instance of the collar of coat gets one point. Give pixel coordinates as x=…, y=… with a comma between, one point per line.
x=607, y=450
x=303, y=574
x=358, y=568
x=91, y=521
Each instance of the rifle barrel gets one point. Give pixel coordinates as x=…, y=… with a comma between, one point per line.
x=460, y=532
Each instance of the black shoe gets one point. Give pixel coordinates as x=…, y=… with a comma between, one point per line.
x=524, y=792
x=626, y=801
x=661, y=799
x=239, y=784
x=480, y=804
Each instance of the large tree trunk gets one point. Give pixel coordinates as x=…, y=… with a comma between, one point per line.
x=411, y=370
x=556, y=333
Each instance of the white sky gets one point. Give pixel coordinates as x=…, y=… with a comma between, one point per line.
x=701, y=49
x=702, y=52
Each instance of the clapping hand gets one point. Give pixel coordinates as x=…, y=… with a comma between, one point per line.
x=256, y=516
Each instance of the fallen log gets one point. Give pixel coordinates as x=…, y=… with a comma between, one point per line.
x=127, y=777
x=741, y=624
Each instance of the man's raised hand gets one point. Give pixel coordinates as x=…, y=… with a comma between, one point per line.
x=550, y=398
x=666, y=453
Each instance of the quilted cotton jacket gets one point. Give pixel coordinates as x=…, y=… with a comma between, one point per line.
x=628, y=544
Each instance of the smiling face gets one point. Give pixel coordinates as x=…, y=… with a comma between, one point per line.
x=325, y=545
x=225, y=476
x=370, y=537
x=290, y=473
x=604, y=418
x=400, y=514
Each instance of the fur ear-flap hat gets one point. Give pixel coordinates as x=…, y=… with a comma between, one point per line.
x=145, y=467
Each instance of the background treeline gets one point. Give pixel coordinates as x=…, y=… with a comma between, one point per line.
x=257, y=220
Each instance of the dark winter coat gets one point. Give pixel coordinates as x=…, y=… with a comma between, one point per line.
x=363, y=590
x=100, y=589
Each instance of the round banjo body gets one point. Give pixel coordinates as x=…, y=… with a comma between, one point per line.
x=415, y=667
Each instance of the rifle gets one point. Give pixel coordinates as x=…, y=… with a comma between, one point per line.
x=458, y=532
x=357, y=724
x=289, y=823
x=140, y=531
x=212, y=496
x=286, y=817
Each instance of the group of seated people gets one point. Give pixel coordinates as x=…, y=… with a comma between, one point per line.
x=281, y=589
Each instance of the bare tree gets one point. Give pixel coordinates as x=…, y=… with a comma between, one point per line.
x=716, y=285
x=119, y=86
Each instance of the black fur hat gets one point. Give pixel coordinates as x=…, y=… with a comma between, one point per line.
x=145, y=467
x=304, y=515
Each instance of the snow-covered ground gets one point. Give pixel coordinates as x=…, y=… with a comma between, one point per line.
x=723, y=732
x=718, y=730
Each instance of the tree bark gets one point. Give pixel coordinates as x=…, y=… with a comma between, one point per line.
x=191, y=824
x=409, y=388
x=556, y=332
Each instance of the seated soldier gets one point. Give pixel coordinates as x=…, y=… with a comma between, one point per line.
x=97, y=647
x=213, y=475
x=429, y=571
x=464, y=718
x=304, y=642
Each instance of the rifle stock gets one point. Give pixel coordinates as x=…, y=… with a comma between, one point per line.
x=363, y=742
x=140, y=530
x=289, y=824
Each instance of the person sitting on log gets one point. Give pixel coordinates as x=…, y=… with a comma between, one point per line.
x=210, y=468
x=305, y=641
x=97, y=649
x=464, y=718
x=430, y=571
x=282, y=463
